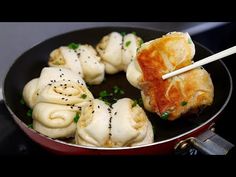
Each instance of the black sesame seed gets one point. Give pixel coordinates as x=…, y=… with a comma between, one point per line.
x=51, y=80
x=98, y=106
x=62, y=98
x=71, y=107
x=60, y=93
x=78, y=54
x=90, y=105
x=59, y=69
x=61, y=85
x=115, y=113
x=109, y=134
x=49, y=84
x=54, y=80
x=67, y=104
x=92, y=112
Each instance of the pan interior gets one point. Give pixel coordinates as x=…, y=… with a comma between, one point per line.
x=30, y=64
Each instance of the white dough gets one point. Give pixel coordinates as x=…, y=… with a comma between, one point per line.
x=117, y=51
x=92, y=127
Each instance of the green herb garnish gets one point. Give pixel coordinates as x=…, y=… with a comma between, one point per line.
x=127, y=43
x=134, y=33
x=76, y=118
x=118, y=90
x=29, y=113
x=140, y=42
x=184, y=103
x=134, y=103
x=189, y=41
x=137, y=101
x=83, y=96
x=165, y=115
x=30, y=126
x=123, y=33
x=103, y=93
x=107, y=103
x=57, y=63
x=140, y=102
x=73, y=46
x=22, y=101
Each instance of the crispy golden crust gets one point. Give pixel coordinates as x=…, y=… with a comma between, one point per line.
x=181, y=93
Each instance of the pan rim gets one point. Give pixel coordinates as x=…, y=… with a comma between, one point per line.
x=117, y=148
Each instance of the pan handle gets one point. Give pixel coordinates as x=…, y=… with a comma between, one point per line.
x=208, y=143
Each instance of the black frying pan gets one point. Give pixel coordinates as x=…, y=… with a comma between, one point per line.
x=30, y=64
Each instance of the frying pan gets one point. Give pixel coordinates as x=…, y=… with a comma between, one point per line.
x=190, y=130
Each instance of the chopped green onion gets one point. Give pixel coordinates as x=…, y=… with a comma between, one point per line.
x=165, y=115
x=127, y=43
x=73, y=46
x=107, y=103
x=140, y=102
x=123, y=33
x=118, y=90
x=22, y=101
x=29, y=113
x=189, y=41
x=134, y=103
x=30, y=126
x=103, y=93
x=83, y=96
x=76, y=118
x=134, y=33
x=140, y=42
x=122, y=92
x=115, y=89
x=57, y=63
x=184, y=103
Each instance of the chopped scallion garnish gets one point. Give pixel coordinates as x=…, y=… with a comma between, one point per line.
x=76, y=118
x=73, y=46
